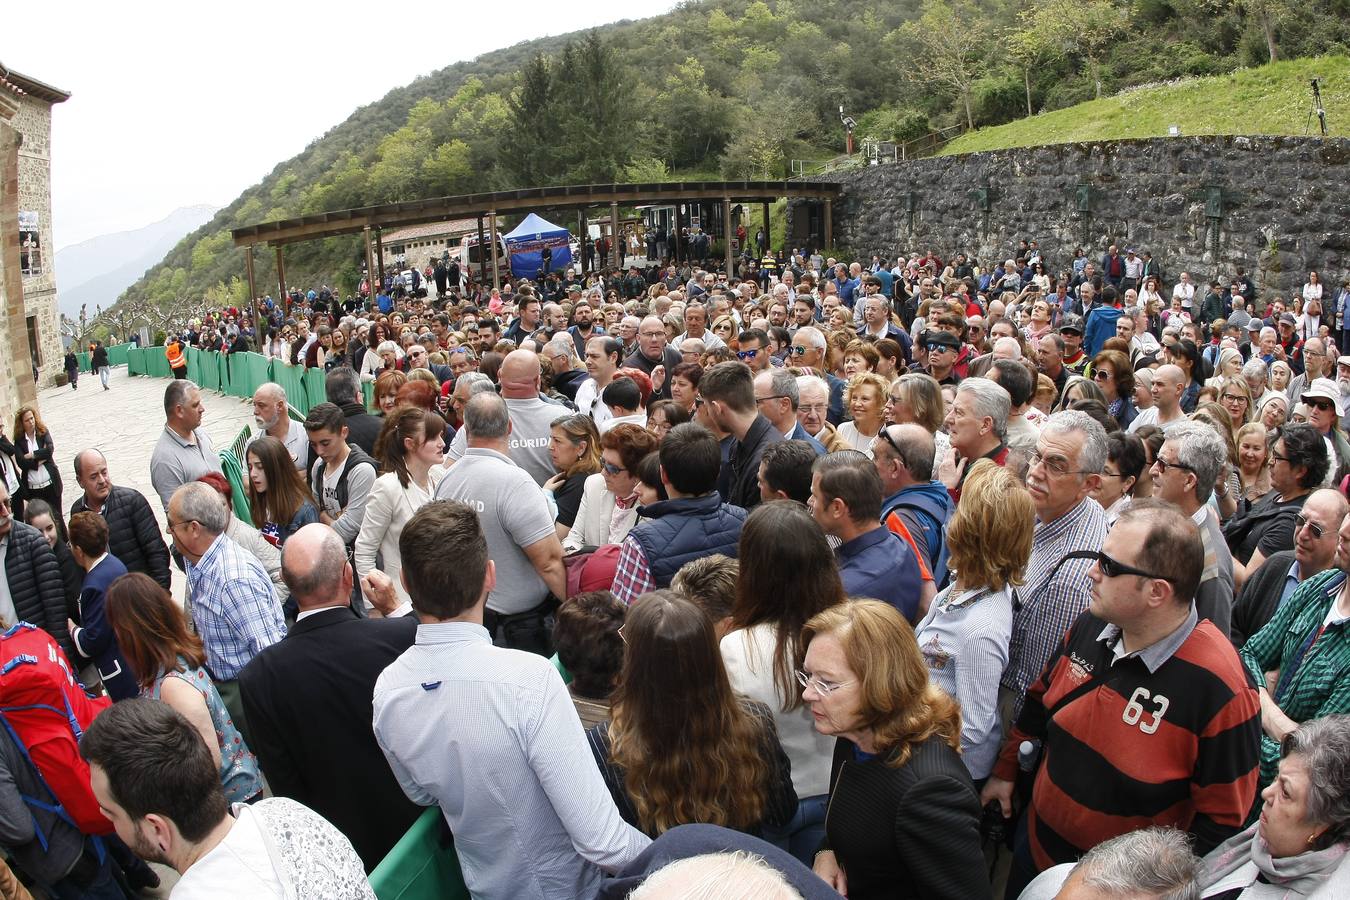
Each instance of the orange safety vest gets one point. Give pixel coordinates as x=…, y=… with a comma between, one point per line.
x=174, y=351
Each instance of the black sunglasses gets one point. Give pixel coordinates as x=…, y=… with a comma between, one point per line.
x=885, y=435
x=1301, y=521
x=1114, y=568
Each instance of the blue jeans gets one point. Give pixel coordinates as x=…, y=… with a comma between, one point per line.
x=802, y=835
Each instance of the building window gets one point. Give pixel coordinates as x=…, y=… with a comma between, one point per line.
x=34, y=345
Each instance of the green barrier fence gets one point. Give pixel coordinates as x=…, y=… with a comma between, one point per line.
x=117, y=356
x=422, y=865
x=240, y=374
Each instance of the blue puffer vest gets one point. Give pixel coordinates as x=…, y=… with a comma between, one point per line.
x=673, y=532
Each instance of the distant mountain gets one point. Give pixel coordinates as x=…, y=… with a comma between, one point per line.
x=96, y=271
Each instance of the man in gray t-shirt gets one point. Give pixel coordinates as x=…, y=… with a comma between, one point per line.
x=531, y=418
x=521, y=537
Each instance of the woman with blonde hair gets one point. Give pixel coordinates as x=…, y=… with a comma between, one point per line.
x=1253, y=450
x=860, y=356
x=574, y=448
x=681, y=747
x=916, y=397
x=1235, y=396
x=965, y=635
x=386, y=391
x=866, y=400
x=902, y=810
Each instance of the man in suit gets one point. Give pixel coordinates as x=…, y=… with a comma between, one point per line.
x=94, y=637
x=308, y=700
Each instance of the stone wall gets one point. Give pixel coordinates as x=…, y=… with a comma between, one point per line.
x=1274, y=206
x=34, y=122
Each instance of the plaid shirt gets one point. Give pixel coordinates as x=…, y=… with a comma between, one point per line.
x=1054, y=593
x=1320, y=683
x=633, y=576
x=233, y=606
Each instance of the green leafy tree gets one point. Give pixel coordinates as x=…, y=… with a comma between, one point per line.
x=535, y=107
x=1085, y=27
x=951, y=43
x=1031, y=46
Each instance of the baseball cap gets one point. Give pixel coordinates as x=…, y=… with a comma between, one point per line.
x=1288, y=319
x=1254, y=325
x=946, y=339
x=1072, y=323
x=1324, y=389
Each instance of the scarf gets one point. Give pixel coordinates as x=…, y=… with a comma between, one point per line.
x=1245, y=857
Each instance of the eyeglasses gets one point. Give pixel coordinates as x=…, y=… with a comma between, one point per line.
x=1114, y=568
x=937, y=348
x=797, y=351
x=1102, y=375
x=885, y=435
x=172, y=525
x=1164, y=465
x=1320, y=403
x=1054, y=466
x=743, y=355
x=1301, y=521
x=771, y=397
x=1274, y=456
x=611, y=468
x=823, y=688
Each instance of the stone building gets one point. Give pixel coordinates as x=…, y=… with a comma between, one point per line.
x=30, y=338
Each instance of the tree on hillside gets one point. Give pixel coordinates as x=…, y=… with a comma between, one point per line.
x=1031, y=46
x=951, y=42
x=1268, y=16
x=1085, y=27
x=535, y=120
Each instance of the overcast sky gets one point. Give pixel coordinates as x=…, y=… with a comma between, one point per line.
x=173, y=106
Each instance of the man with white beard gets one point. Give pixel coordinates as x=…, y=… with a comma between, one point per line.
x=1343, y=376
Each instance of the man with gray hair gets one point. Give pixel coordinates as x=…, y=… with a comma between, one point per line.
x=233, y=604
x=272, y=418
x=1066, y=468
x=1189, y=464
x=777, y=397
x=976, y=427
x=184, y=452
x=515, y=518
x=808, y=352
x=1152, y=863
x=567, y=372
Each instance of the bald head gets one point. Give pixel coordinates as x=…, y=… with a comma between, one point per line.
x=519, y=375
x=1169, y=383
x=314, y=567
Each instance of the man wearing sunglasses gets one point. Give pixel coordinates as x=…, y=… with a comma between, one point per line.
x=942, y=349
x=1314, y=552
x=1184, y=473
x=1145, y=712
x=1325, y=410
x=1300, y=657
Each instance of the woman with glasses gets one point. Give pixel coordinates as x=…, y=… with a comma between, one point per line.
x=1125, y=462
x=1235, y=396
x=1273, y=411
x=866, y=401
x=787, y=575
x=904, y=816
x=1253, y=461
x=664, y=415
x=725, y=328
x=574, y=448
x=170, y=665
x=1113, y=375
x=609, y=498
x=681, y=747
x=964, y=636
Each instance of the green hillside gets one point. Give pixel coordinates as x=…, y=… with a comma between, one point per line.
x=1272, y=99
x=741, y=88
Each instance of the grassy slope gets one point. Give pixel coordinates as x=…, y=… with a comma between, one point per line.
x=1273, y=99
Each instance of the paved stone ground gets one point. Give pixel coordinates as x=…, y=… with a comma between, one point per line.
x=124, y=423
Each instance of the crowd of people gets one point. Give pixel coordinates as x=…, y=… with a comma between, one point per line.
x=887, y=578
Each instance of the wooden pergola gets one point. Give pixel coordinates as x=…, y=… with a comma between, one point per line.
x=371, y=221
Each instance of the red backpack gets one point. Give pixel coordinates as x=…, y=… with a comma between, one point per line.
x=46, y=711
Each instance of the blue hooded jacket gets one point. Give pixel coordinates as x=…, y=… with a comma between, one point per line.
x=925, y=509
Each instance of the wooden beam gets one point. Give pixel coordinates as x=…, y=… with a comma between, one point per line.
x=829, y=223
x=583, y=239
x=482, y=259
x=370, y=269
x=379, y=253
x=253, y=296
x=616, y=248
x=726, y=235
x=496, y=275
x=281, y=281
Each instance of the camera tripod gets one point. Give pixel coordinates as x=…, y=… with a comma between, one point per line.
x=1317, y=109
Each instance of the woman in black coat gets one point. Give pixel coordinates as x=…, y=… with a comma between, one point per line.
x=34, y=451
x=903, y=819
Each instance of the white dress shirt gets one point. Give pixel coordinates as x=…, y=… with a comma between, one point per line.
x=491, y=736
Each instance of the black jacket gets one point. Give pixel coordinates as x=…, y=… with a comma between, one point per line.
x=35, y=583
x=739, y=479
x=362, y=427
x=42, y=456
x=907, y=831
x=133, y=533
x=1260, y=597
x=308, y=700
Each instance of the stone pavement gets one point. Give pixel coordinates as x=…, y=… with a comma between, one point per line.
x=124, y=423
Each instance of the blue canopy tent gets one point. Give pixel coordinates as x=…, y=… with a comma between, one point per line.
x=530, y=237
